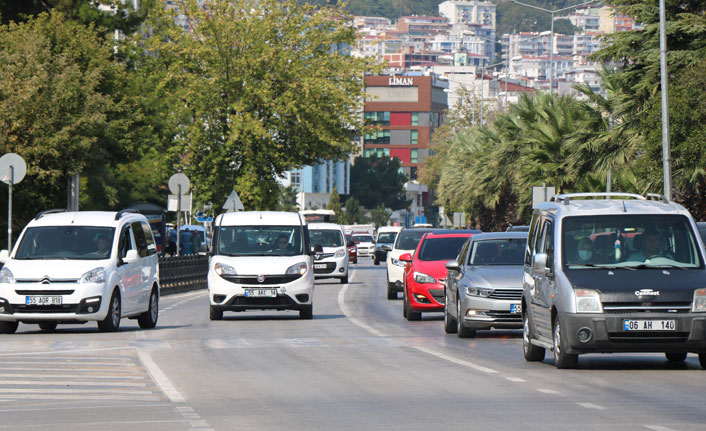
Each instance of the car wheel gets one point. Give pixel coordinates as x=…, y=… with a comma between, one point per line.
x=676, y=357
x=532, y=353
x=376, y=261
x=404, y=305
x=8, y=327
x=562, y=359
x=391, y=291
x=449, y=322
x=111, y=323
x=47, y=326
x=702, y=360
x=344, y=280
x=307, y=312
x=215, y=314
x=148, y=319
x=461, y=330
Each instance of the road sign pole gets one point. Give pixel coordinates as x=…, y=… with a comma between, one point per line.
x=177, y=220
x=9, y=210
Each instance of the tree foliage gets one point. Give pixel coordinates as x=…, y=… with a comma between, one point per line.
x=378, y=180
x=380, y=215
x=353, y=212
x=334, y=202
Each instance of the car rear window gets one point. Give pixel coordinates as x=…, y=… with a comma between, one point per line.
x=441, y=248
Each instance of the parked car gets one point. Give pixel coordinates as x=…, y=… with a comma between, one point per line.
x=425, y=272
x=607, y=276
x=386, y=236
x=352, y=249
x=365, y=244
x=261, y=260
x=75, y=267
x=333, y=262
x=484, y=284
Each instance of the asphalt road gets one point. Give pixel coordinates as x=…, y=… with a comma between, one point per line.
x=358, y=365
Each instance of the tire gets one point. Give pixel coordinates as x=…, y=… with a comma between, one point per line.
x=344, y=280
x=449, y=322
x=676, y=357
x=355, y=260
x=47, y=326
x=702, y=360
x=562, y=360
x=111, y=323
x=148, y=319
x=462, y=331
x=532, y=353
x=215, y=314
x=391, y=291
x=404, y=305
x=376, y=261
x=307, y=313
x=411, y=315
x=8, y=327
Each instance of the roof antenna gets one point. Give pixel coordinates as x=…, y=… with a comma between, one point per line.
x=624, y=209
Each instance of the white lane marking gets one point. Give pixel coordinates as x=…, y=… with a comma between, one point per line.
x=53, y=352
x=92, y=407
x=591, y=406
x=658, y=428
x=515, y=379
x=72, y=363
x=67, y=397
x=549, y=391
x=344, y=308
x=53, y=424
x=90, y=370
x=159, y=377
x=70, y=383
x=186, y=298
x=72, y=391
x=185, y=295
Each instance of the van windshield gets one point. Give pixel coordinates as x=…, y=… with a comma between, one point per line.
x=630, y=241
x=326, y=237
x=387, y=237
x=66, y=242
x=259, y=240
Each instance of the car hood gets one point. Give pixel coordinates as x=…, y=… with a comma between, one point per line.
x=434, y=268
x=260, y=265
x=54, y=269
x=496, y=276
x=623, y=285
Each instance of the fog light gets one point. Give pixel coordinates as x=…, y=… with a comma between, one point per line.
x=421, y=298
x=584, y=335
x=219, y=298
x=471, y=313
x=340, y=270
x=90, y=309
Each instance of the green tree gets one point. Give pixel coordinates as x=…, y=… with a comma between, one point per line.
x=378, y=180
x=287, y=199
x=353, y=212
x=334, y=202
x=266, y=86
x=380, y=216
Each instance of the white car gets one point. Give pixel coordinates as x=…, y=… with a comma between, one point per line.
x=261, y=260
x=406, y=242
x=74, y=267
x=333, y=262
x=365, y=244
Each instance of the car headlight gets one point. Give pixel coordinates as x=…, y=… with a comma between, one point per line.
x=298, y=269
x=588, y=301
x=699, y=301
x=340, y=253
x=397, y=262
x=479, y=291
x=96, y=275
x=223, y=269
x=420, y=277
x=6, y=276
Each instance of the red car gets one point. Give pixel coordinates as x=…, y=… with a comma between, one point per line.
x=352, y=249
x=425, y=272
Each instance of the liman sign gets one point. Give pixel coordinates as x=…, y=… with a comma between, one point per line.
x=400, y=81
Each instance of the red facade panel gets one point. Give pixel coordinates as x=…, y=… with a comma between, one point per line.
x=400, y=153
x=400, y=118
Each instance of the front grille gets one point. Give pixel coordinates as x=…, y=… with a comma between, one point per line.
x=330, y=267
x=261, y=302
x=505, y=315
x=438, y=295
x=47, y=280
x=628, y=308
x=512, y=294
x=269, y=279
x=323, y=256
x=44, y=292
x=648, y=337
x=45, y=309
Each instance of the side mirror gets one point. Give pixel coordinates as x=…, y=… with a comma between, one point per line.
x=4, y=256
x=539, y=263
x=453, y=265
x=131, y=257
x=386, y=248
x=407, y=257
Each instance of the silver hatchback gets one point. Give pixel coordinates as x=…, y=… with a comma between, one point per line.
x=484, y=284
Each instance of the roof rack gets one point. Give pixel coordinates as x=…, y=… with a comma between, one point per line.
x=656, y=197
x=52, y=211
x=565, y=198
x=126, y=211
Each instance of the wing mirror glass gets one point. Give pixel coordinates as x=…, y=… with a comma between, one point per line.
x=539, y=263
x=131, y=257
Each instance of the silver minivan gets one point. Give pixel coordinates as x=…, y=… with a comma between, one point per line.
x=612, y=272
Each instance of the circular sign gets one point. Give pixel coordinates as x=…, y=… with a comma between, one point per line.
x=10, y=162
x=177, y=180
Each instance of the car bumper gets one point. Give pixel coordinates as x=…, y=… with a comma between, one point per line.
x=73, y=307
x=486, y=313
x=366, y=252
x=426, y=296
x=608, y=334
x=225, y=295
x=331, y=267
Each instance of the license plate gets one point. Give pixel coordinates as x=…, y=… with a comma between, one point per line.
x=43, y=300
x=261, y=293
x=515, y=308
x=650, y=325
x=319, y=266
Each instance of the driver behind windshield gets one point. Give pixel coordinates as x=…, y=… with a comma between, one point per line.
x=651, y=247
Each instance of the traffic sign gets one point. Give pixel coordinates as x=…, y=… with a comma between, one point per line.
x=233, y=203
x=177, y=180
x=12, y=168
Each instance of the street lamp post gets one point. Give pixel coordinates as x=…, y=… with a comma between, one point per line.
x=666, y=152
x=551, y=35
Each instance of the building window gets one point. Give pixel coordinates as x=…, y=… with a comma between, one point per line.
x=415, y=118
x=381, y=137
x=413, y=173
x=376, y=152
x=414, y=137
x=295, y=179
x=377, y=118
x=413, y=156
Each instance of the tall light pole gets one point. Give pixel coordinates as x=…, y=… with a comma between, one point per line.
x=551, y=35
x=666, y=152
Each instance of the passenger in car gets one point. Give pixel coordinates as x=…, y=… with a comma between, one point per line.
x=651, y=245
x=585, y=251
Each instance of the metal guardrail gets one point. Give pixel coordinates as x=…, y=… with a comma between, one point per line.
x=183, y=272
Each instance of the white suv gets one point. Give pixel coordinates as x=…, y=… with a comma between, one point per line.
x=74, y=267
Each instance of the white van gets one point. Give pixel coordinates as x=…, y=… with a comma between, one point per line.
x=261, y=260
x=386, y=237
x=333, y=263
x=74, y=267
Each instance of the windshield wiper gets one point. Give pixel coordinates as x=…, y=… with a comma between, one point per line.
x=664, y=266
x=595, y=265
